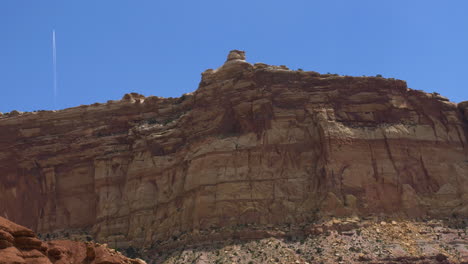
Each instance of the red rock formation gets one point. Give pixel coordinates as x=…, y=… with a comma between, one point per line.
x=20, y=245
x=254, y=144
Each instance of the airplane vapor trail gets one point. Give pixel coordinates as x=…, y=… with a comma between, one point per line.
x=54, y=61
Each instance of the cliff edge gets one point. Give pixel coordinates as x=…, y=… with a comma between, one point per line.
x=254, y=143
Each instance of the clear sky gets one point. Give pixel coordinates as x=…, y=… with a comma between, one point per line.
x=106, y=48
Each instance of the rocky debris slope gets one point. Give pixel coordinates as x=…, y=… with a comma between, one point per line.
x=254, y=144
x=20, y=245
x=334, y=241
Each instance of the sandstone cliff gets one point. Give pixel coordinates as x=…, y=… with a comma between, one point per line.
x=253, y=144
x=20, y=245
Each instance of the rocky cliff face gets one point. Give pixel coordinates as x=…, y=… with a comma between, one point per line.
x=254, y=144
x=20, y=245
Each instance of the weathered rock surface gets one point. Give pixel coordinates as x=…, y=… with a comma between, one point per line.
x=20, y=245
x=253, y=144
x=464, y=108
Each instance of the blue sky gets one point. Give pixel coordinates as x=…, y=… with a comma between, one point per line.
x=106, y=48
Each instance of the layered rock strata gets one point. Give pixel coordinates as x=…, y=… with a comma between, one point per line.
x=253, y=144
x=20, y=245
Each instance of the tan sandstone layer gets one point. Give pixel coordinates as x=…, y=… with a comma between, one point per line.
x=253, y=144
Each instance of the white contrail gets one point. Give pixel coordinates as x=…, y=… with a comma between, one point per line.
x=54, y=61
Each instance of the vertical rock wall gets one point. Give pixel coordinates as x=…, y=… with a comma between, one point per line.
x=254, y=144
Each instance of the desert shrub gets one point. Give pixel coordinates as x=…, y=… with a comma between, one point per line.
x=152, y=121
x=181, y=99
x=131, y=252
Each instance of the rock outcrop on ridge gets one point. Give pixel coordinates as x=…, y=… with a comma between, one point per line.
x=20, y=245
x=253, y=144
